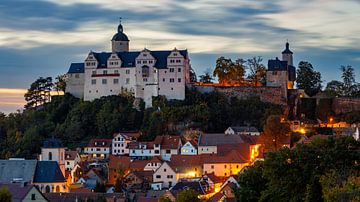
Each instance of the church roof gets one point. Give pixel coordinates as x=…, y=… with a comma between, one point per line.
x=120, y=36
x=48, y=171
x=52, y=143
x=76, y=68
x=287, y=50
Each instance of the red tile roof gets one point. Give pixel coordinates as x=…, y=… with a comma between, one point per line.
x=115, y=160
x=100, y=143
x=70, y=155
x=179, y=163
x=138, y=145
x=233, y=156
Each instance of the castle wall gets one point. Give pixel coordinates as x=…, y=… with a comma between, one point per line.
x=344, y=105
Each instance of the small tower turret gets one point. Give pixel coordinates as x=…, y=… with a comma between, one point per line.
x=120, y=42
x=287, y=55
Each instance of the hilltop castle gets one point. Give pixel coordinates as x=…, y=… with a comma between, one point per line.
x=144, y=73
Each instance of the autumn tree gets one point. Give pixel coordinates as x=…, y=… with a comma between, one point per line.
x=276, y=132
x=308, y=79
x=257, y=71
x=206, y=77
x=39, y=92
x=120, y=170
x=230, y=72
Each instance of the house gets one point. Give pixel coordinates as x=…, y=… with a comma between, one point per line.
x=49, y=178
x=84, y=196
x=169, y=145
x=225, y=194
x=53, y=150
x=17, y=170
x=24, y=192
x=201, y=187
x=214, y=181
x=189, y=148
x=208, y=142
x=179, y=167
x=120, y=142
x=138, y=180
x=143, y=150
x=95, y=175
x=98, y=148
x=71, y=159
x=225, y=165
x=244, y=130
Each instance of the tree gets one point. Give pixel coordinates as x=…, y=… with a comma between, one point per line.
x=5, y=195
x=252, y=183
x=187, y=195
x=192, y=75
x=348, y=77
x=120, y=170
x=257, y=71
x=60, y=83
x=334, y=88
x=276, y=133
x=39, y=92
x=164, y=199
x=206, y=77
x=308, y=79
x=229, y=72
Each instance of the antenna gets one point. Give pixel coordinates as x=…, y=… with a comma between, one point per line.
x=120, y=18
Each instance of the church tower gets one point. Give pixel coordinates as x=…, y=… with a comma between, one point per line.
x=287, y=55
x=120, y=42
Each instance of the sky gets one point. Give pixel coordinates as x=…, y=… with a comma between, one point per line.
x=42, y=37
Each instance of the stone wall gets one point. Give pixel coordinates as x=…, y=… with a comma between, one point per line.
x=344, y=105
x=266, y=94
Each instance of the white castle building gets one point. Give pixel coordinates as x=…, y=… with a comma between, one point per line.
x=144, y=73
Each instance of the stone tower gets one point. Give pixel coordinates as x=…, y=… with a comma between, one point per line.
x=287, y=55
x=120, y=42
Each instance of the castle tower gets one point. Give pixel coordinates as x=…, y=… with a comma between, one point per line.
x=120, y=42
x=287, y=55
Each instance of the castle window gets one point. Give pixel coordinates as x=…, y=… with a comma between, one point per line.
x=145, y=62
x=172, y=80
x=172, y=61
x=274, y=73
x=144, y=79
x=163, y=80
x=150, y=62
x=116, y=71
x=144, y=55
x=105, y=72
x=179, y=80
x=93, y=81
x=77, y=76
x=93, y=72
x=178, y=61
x=50, y=156
x=113, y=56
x=127, y=71
x=127, y=81
x=171, y=69
x=172, y=88
x=145, y=71
x=175, y=54
x=139, y=61
x=104, y=81
x=116, y=81
x=179, y=69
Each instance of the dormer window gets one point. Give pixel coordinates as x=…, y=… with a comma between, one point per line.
x=113, y=56
x=175, y=54
x=144, y=55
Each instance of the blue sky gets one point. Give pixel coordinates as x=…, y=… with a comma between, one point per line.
x=42, y=37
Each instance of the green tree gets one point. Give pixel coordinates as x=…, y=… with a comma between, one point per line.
x=334, y=88
x=5, y=195
x=164, y=199
x=39, y=92
x=308, y=79
x=60, y=83
x=257, y=71
x=348, y=76
x=252, y=183
x=206, y=77
x=276, y=133
x=120, y=170
x=187, y=195
x=192, y=75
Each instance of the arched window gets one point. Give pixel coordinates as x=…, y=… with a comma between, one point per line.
x=57, y=188
x=50, y=156
x=145, y=71
x=47, y=189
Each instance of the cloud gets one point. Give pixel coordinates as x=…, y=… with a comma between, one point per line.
x=11, y=99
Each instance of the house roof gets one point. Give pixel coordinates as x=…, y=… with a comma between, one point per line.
x=215, y=179
x=138, y=145
x=218, y=196
x=143, y=174
x=52, y=143
x=244, y=129
x=180, y=163
x=18, y=191
x=169, y=142
x=277, y=65
x=129, y=135
x=194, y=185
x=100, y=143
x=76, y=68
x=115, y=160
x=128, y=58
x=22, y=170
x=70, y=155
x=48, y=171
x=213, y=139
x=234, y=156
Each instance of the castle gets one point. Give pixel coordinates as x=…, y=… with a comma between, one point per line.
x=152, y=73
x=143, y=73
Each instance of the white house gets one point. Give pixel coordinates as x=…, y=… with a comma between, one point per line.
x=143, y=150
x=169, y=145
x=242, y=130
x=98, y=148
x=189, y=148
x=71, y=159
x=120, y=142
x=144, y=73
x=165, y=175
